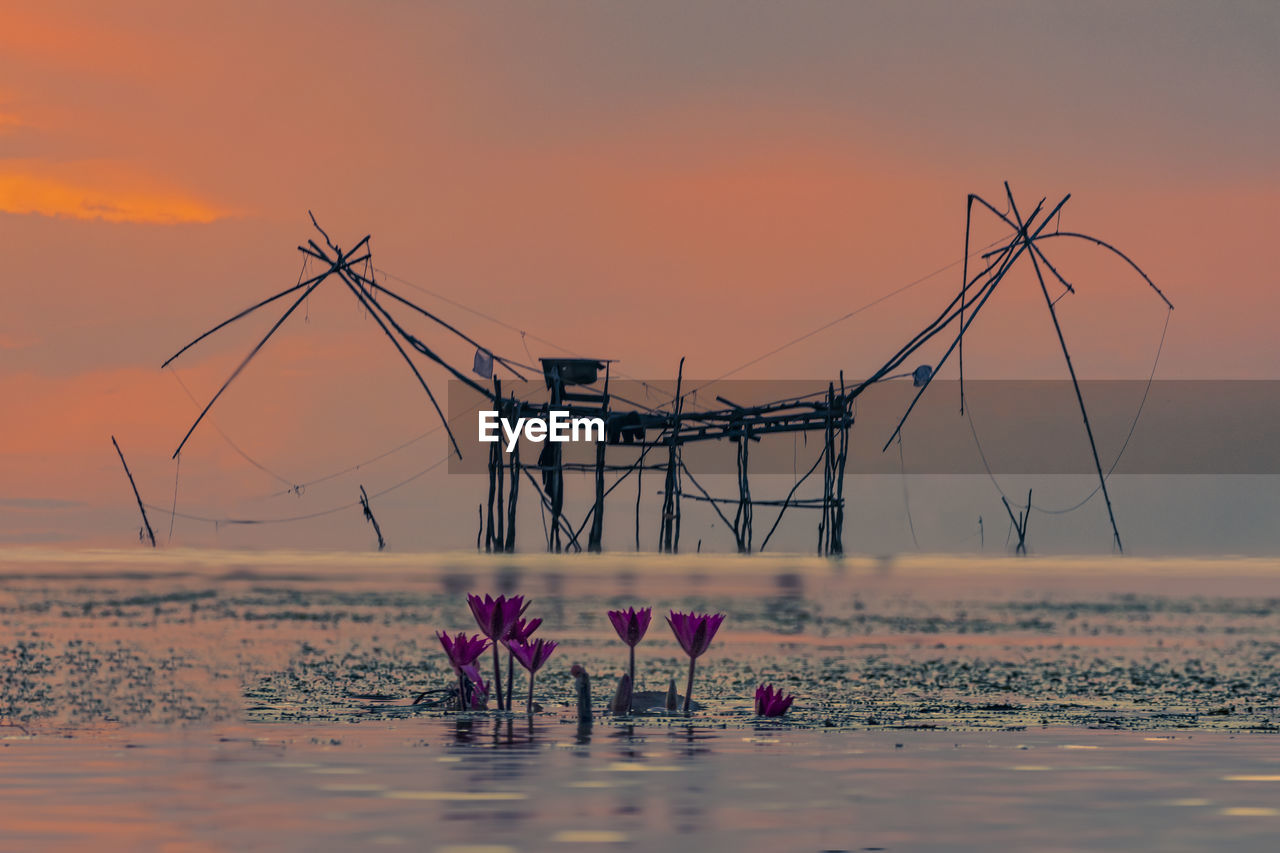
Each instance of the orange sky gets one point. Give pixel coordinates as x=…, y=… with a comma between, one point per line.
x=636, y=181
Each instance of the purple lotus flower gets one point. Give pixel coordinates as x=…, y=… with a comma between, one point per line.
x=521, y=631
x=694, y=633
x=479, y=691
x=532, y=656
x=631, y=626
x=496, y=617
x=770, y=702
x=463, y=650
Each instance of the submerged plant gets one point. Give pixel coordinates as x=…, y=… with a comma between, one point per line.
x=463, y=651
x=770, y=702
x=496, y=617
x=631, y=626
x=694, y=632
x=532, y=656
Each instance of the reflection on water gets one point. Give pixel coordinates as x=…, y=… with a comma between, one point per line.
x=520, y=783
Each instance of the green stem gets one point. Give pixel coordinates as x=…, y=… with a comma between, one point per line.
x=632, y=692
x=497, y=676
x=528, y=706
x=462, y=692
x=511, y=676
x=688, y=687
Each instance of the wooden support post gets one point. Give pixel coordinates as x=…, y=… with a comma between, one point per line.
x=639, y=487
x=145, y=523
x=837, y=527
x=1020, y=523
x=553, y=462
x=499, y=539
x=742, y=520
x=596, y=536
x=494, y=460
x=510, y=545
x=669, y=540
x=828, y=476
x=1084, y=414
x=368, y=516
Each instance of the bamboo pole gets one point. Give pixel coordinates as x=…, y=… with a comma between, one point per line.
x=986, y=293
x=146, y=523
x=510, y=545
x=374, y=310
x=596, y=537
x=668, y=538
x=837, y=548
x=368, y=515
x=499, y=470
x=555, y=477
x=1075, y=383
x=742, y=527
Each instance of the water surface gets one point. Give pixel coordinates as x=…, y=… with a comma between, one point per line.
x=205, y=700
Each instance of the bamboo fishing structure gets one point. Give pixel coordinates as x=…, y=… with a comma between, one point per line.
x=581, y=386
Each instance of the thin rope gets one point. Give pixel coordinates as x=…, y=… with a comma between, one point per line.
x=306, y=516
x=243, y=455
x=849, y=315
x=177, y=466
x=906, y=498
x=1133, y=426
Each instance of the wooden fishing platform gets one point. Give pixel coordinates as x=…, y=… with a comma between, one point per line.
x=581, y=386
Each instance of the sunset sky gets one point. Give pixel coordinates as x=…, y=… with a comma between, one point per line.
x=637, y=181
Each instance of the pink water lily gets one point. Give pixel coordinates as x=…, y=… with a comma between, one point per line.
x=694, y=632
x=770, y=702
x=463, y=651
x=496, y=617
x=521, y=631
x=631, y=626
x=532, y=656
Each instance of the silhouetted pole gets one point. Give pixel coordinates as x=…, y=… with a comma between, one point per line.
x=150, y=534
x=670, y=538
x=596, y=536
x=837, y=540
x=742, y=520
x=1084, y=414
x=368, y=515
x=554, y=476
x=510, y=545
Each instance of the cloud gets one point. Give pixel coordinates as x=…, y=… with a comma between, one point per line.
x=96, y=190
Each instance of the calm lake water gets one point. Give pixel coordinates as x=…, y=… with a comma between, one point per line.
x=228, y=701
